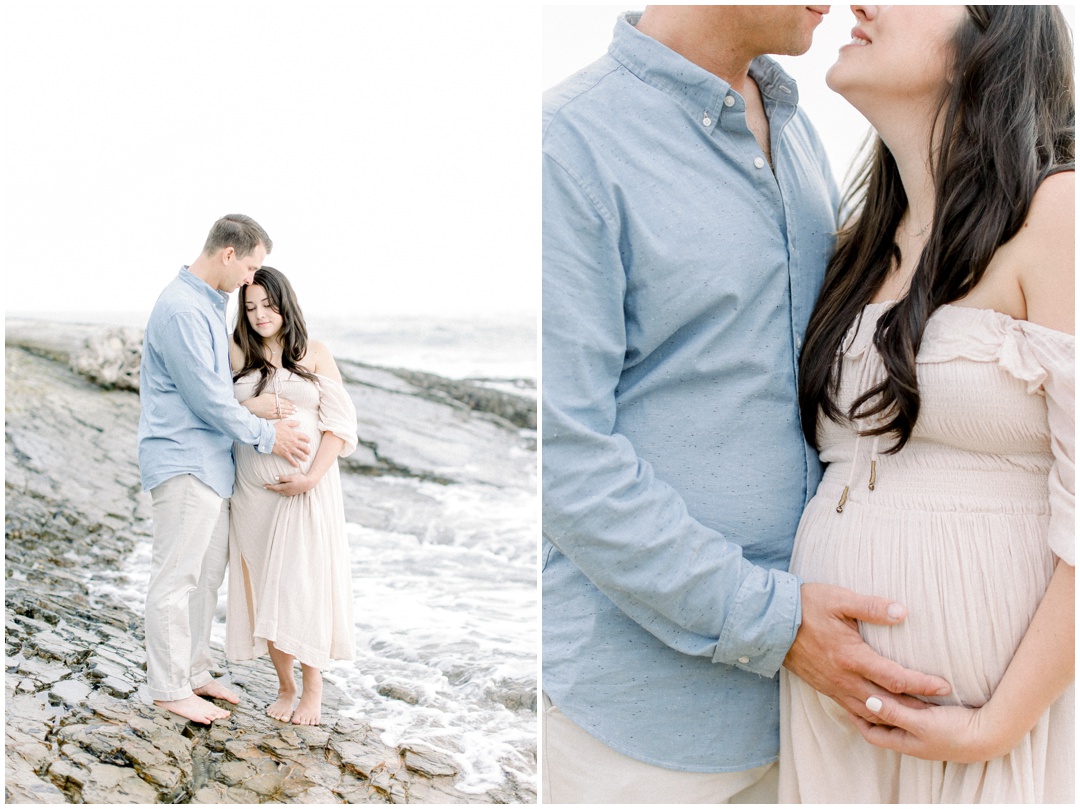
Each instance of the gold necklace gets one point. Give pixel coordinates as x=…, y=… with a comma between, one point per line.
x=917, y=233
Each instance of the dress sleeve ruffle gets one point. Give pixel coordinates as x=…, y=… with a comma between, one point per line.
x=1054, y=352
x=337, y=414
x=1042, y=358
x=983, y=335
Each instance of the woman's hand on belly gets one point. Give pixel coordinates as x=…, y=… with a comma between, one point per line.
x=933, y=732
x=1040, y=670
x=292, y=485
x=270, y=406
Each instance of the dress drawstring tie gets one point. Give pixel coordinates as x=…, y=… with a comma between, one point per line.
x=851, y=474
x=873, y=462
x=869, y=374
x=854, y=459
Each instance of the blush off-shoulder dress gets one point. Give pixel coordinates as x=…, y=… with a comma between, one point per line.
x=964, y=526
x=289, y=575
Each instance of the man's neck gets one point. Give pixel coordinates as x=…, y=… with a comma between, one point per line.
x=709, y=38
x=204, y=269
x=702, y=38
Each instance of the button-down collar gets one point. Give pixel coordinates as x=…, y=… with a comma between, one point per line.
x=215, y=296
x=703, y=94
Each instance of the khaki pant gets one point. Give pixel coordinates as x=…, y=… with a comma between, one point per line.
x=577, y=768
x=191, y=552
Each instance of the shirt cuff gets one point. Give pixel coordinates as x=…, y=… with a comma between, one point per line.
x=762, y=622
x=267, y=438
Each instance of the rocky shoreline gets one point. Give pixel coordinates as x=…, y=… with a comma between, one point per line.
x=79, y=727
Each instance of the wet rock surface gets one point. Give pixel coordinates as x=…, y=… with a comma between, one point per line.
x=517, y=410
x=79, y=726
x=111, y=358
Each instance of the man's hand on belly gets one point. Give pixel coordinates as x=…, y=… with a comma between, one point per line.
x=290, y=444
x=831, y=656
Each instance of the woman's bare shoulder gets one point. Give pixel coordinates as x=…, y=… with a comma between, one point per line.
x=321, y=361
x=1047, y=242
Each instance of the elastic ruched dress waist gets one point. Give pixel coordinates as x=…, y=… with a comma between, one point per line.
x=1020, y=490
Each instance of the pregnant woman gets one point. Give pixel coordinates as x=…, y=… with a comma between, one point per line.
x=937, y=380
x=290, y=592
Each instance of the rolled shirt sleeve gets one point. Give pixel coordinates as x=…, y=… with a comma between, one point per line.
x=604, y=507
x=679, y=272
x=189, y=417
x=188, y=356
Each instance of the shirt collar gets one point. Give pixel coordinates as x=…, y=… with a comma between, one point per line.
x=695, y=88
x=215, y=296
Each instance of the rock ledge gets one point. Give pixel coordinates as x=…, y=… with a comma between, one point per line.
x=79, y=726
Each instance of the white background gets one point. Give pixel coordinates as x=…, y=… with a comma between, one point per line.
x=386, y=149
x=391, y=151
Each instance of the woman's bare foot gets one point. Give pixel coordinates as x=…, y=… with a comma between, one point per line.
x=216, y=690
x=309, y=711
x=194, y=709
x=282, y=710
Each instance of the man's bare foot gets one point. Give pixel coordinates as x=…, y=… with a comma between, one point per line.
x=282, y=710
x=309, y=711
x=194, y=709
x=215, y=690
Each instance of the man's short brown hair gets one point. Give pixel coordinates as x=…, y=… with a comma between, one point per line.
x=242, y=233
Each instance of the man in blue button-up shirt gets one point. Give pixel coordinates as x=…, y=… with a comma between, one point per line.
x=688, y=216
x=187, y=427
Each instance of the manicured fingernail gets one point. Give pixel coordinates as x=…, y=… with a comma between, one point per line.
x=873, y=704
x=897, y=611
x=943, y=691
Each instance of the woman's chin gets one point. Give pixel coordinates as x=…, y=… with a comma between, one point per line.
x=838, y=79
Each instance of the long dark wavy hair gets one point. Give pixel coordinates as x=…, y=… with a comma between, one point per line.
x=293, y=336
x=1007, y=121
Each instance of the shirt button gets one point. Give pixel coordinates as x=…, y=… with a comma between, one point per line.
x=744, y=660
x=706, y=120
x=758, y=162
x=798, y=342
x=785, y=89
x=729, y=101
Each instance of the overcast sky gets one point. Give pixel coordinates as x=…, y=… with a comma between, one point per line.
x=388, y=150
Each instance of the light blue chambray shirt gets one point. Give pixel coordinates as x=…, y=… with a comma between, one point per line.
x=679, y=275
x=189, y=416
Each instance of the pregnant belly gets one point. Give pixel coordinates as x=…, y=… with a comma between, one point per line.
x=254, y=468
x=970, y=581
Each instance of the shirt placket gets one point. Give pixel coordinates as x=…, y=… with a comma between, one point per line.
x=797, y=291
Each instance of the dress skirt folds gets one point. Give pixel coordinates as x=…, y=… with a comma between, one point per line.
x=964, y=526
x=289, y=573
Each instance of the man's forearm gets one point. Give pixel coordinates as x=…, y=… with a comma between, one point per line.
x=631, y=535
